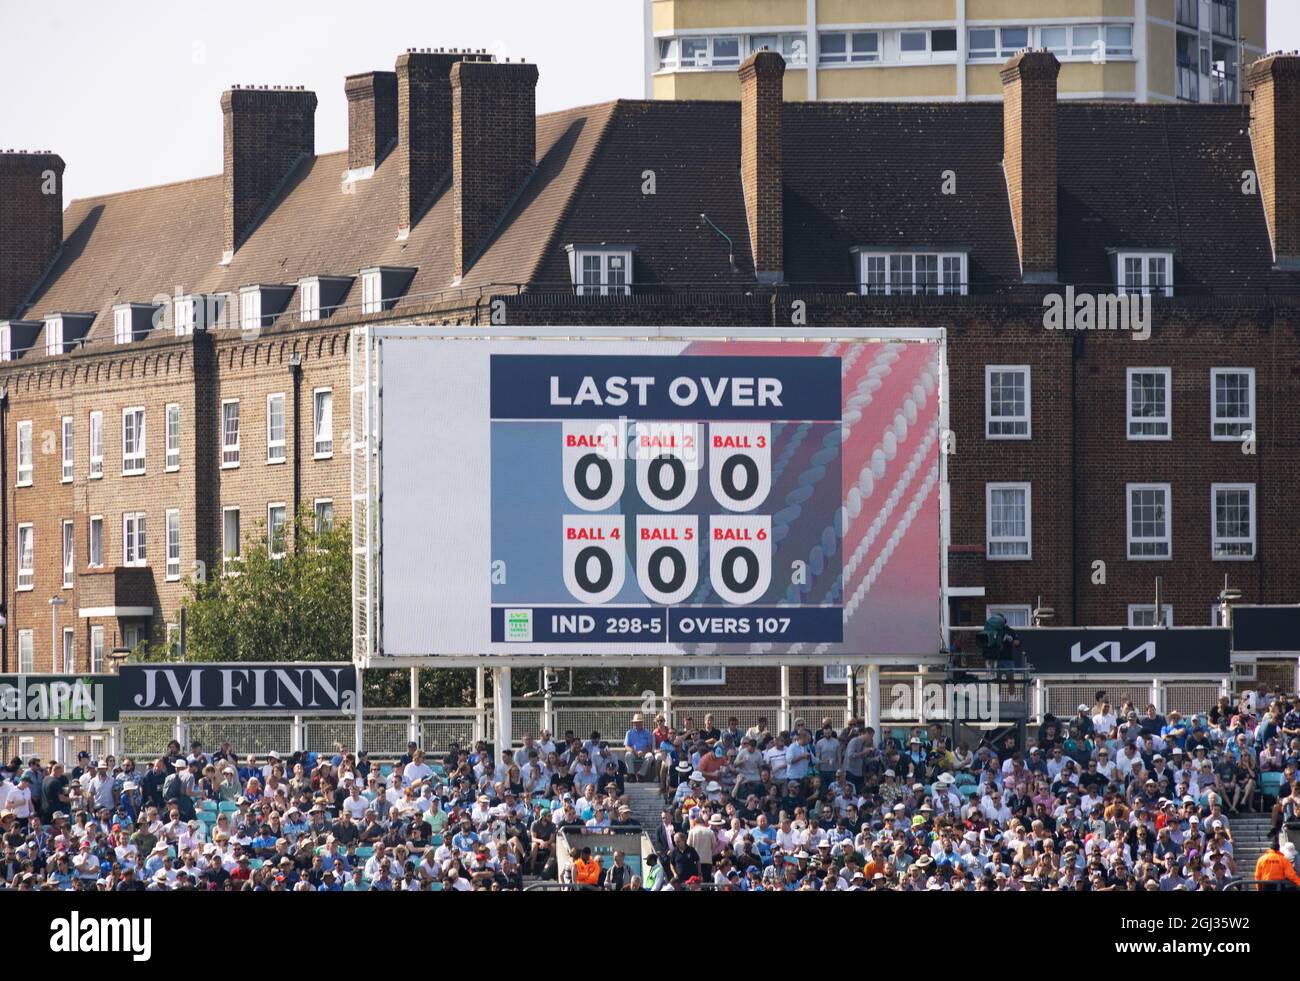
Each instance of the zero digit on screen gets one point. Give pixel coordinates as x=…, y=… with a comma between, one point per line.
x=594, y=556
x=740, y=556
x=740, y=464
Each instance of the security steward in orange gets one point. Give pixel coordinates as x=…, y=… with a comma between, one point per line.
x=1275, y=866
x=586, y=870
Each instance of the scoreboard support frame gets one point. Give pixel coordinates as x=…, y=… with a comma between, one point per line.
x=367, y=494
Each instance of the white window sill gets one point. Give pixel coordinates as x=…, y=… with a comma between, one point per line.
x=133, y=473
x=1213, y=439
x=1006, y=558
x=175, y=469
x=1151, y=558
x=279, y=462
x=323, y=456
x=65, y=480
x=173, y=578
x=1232, y=558
x=1003, y=439
x=25, y=589
x=23, y=483
x=1167, y=438
x=230, y=466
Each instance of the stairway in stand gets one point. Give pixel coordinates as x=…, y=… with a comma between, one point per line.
x=647, y=804
x=1249, y=840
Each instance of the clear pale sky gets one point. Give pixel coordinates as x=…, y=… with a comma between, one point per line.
x=128, y=93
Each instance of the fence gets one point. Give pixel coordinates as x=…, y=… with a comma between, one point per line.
x=1187, y=697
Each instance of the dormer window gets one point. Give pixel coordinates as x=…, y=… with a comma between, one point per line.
x=132, y=321
x=17, y=337
x=602, y=270
x=382, y=285
x=198, y=311
x=54, y=335
x=319, y=296
x=1145, y=273
x=64, y=331
x=122, y=325
x=260, y=304
x=890, y=273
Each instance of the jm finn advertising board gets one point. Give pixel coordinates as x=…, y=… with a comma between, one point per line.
x=665, y=496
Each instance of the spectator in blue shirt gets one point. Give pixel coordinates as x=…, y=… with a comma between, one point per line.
x=639, y=743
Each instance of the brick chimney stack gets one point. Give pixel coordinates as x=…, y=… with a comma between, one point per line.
x=1029, y=157
x=423, y=129
x=1273, y=84
x=761, y=106
x=372, y=118
x=494, y=148
x=267, y=132
x=31, y=223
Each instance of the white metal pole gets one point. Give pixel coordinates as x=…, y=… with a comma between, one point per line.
x=872, y=709
x=851, y=691
x=359, y=720
x=414, y=726
x=480, y=704
x=296, y=736
x=783, y=716
x=504, y=730
x=58, y=748
x=668, y=693
x=1155, y=694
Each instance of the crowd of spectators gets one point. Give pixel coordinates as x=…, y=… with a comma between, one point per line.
x=1108, y=800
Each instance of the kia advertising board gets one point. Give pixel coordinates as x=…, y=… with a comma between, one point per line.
x=667, y=495
x=1129, y=652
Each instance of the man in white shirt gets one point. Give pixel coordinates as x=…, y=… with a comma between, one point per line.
x=1103, y=723
x=355, y=803
x=417, y=769
x=798, y=757
x=19, y=798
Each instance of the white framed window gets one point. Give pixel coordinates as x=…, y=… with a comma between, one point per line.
x=324, y=507
x=230, y=539
x=1015, y=614
x=1144, y=615
x=95, y=542
x=910, y=273
x=721, y=51
x=836, y=674
x=1232, y=403
x=702, y=674
x=229, y=433
x=603, y=272
x=1149, y=411
x=69, y=650
x=1148, y=521
x=173, y=544
x=96, y=649
x=1008, y=518
x=848, y=47
x=54, y=336
x=922, y=45
x=132, y=636
x=122, y=327
x=372, y=291
x=792, y=47
x=133, y=441
x=185, y=314
x=24, y=454
x=275, y=452
x=96, y=447
x=68, y=449
x=26, y=652
x=309, y=300
x=1234, y=521
x=133, y=539
x=1006, y=401
x=276, y=530
x=996, y=43
x=26, y=557
x=1146, y=273
x=69, y=553
x=173, y=436
x=323, y=423
x=250, y=309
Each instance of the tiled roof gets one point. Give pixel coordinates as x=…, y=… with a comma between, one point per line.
x=868, y=174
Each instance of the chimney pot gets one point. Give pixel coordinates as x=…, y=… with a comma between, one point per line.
x=1029, y=158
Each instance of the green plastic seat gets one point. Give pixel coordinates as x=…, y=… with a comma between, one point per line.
x=228, y=807
x=365, y=851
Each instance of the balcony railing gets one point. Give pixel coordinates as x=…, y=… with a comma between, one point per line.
x=1223, y=89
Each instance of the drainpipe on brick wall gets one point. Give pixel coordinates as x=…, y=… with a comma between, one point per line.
x=295, y=369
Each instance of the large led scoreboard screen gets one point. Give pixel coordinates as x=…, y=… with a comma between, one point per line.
x=660, y=496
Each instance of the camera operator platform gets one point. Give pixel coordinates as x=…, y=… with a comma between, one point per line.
x=1000, y=664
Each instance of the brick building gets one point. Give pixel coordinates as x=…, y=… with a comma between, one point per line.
x=175, y=359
